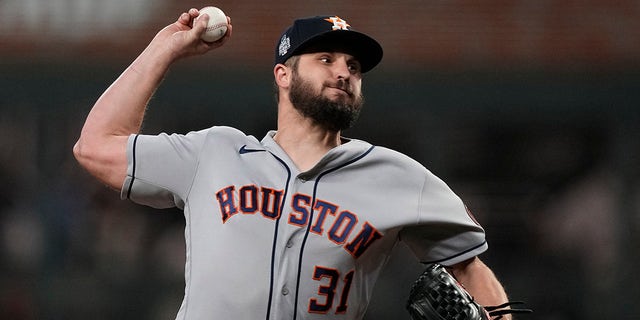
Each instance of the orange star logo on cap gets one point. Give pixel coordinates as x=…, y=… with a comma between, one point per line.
x=338, y=24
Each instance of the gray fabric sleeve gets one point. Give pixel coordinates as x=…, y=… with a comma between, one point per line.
x=161, y=168
x=445, y=231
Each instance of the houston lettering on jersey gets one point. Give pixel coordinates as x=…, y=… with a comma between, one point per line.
x=339, y=226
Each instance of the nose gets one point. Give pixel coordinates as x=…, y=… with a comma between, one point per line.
x=341, y=68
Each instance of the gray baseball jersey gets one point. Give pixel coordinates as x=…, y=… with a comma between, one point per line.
x=266, y=241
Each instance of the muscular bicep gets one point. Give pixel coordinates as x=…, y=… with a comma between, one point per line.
x=104, y=158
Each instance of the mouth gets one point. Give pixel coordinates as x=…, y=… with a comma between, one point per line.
x=340, y=89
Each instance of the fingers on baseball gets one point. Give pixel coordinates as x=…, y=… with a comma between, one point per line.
x=224, y=38
x=184, y=19
x=229, y=28
x=188, y=18
x=199, y=25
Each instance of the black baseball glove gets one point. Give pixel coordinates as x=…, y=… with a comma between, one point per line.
x=436, y=295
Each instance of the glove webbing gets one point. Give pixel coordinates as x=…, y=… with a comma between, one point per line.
x=496, y=312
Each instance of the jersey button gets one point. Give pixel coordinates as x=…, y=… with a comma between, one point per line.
x=285, y=291
x=289, y=244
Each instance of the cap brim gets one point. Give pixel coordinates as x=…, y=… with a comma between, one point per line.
x=367, y=50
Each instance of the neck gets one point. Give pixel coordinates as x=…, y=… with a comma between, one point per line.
x=304, y=141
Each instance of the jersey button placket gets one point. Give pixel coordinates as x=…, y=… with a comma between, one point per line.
x=303, y=178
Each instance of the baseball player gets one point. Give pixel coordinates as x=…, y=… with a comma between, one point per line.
x=298, y=224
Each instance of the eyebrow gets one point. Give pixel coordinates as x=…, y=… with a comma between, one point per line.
x=351, y=56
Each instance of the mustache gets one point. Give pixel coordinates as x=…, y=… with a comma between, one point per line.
x=340, y=84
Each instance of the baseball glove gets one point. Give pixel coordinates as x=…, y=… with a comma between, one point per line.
x=436, y=295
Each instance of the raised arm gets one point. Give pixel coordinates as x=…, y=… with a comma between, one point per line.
x=118, y=113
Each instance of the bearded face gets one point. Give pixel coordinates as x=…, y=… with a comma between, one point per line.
x=333, y=112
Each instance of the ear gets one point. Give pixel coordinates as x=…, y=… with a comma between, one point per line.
x=282, y=75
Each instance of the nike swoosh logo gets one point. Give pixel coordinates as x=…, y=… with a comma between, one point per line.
x=244, y=150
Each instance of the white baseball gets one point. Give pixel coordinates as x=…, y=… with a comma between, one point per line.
x=217, y=26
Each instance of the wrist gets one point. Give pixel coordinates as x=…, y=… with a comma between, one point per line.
x=155, y=59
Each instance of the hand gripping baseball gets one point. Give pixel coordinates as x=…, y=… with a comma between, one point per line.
x=183, y=37
x=436, y=295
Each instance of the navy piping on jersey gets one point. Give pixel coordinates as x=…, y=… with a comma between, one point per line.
x=456, y=255
x=244, y=150
x=275, y=231
x=133, y=170
x=306, y=234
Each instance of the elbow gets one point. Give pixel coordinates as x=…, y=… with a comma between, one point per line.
x=103, y=159
x=80, y=152
x=86, y=154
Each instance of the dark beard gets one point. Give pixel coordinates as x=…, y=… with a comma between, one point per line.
x=332, y=115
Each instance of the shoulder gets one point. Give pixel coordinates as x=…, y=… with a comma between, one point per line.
x=390, y=167
x=385, y=157
x=395, y=158
x=394, y=164
x=194, y=141
x=214, y=131
x=226, y=132
x=223, y=135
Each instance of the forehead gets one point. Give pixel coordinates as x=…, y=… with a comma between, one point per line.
x=332, y=48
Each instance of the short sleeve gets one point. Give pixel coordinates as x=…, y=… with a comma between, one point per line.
x=445, y=231
x=161, y=168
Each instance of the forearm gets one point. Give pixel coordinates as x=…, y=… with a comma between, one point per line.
x=481, y=283
x=120, y=109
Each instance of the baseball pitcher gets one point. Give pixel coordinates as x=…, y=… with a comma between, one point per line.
x=299, y=223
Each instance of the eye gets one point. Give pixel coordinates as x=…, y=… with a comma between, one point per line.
x=355, y=67
x=325, y=59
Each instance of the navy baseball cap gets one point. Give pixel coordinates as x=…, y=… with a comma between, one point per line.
x=328, y=33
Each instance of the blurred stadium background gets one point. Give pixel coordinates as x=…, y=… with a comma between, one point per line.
x=528, y=109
